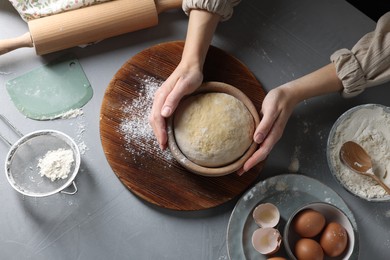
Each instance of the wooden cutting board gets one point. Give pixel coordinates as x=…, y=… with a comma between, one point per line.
x=139, y=164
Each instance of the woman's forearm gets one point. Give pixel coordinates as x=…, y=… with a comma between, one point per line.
x=201, y=28
x=320, y=82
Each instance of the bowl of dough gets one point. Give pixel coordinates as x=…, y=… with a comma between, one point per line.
x=369, y=126
x=211, y=132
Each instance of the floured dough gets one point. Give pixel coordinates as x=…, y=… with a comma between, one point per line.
x=213, y=129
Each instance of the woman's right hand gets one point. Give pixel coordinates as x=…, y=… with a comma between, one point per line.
x=184, y=80
x=188, y=75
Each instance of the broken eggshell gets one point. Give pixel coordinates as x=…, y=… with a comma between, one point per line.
x=266, y=215
x=266, y=240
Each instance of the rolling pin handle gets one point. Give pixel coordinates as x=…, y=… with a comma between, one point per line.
x=164, y=5
x=8, y=45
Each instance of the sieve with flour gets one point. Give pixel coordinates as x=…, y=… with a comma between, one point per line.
x=21, y=164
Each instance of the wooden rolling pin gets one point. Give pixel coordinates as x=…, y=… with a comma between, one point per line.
x=89, y=24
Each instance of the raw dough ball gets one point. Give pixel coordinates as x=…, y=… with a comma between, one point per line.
x=213, y=129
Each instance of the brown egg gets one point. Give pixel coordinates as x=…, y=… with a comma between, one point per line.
x=308, y=223
x=334, y=239
x=277, y=258
x=308, y=249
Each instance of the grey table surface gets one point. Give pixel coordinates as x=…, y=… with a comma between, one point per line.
x=279, y=41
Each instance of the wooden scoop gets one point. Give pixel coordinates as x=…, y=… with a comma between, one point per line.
x=358, y=160
x=90, y=24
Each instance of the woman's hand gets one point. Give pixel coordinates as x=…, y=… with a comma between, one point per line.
x=183, y=81
x=279, y=104
x=276, y=110
x=187, y=76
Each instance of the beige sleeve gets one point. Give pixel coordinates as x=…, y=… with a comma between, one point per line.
x=222, y=7
x=368, y=63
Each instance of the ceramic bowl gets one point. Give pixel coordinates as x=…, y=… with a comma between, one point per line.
x=214, y=171
x=331, y=214
x=358, y=185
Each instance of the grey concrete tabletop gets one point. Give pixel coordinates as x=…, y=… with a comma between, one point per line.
x=278, y=41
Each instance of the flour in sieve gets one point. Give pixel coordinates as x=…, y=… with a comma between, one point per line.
x=56, y=164
x=135, y=127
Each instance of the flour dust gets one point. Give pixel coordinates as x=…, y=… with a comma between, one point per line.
x=135, y=128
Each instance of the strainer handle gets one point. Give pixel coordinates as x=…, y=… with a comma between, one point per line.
x=71, y=192
x=10, y=125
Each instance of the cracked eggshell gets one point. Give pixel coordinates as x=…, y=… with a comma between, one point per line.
x=266, y=215
x=266, y=240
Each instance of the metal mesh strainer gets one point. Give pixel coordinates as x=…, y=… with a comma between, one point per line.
x=21, y=164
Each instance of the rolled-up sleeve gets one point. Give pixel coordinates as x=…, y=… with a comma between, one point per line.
x=368, y=63
x=222, y=7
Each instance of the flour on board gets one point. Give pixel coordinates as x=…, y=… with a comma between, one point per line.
x=135, y=127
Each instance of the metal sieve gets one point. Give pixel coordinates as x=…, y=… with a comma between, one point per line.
x=21, y=164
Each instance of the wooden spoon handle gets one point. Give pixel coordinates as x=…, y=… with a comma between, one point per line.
x=8, y=45
x=380, y=182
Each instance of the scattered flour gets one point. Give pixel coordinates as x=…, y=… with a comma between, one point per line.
x=81, y=127
x=369, y=127
x=5, y=73
x=56, y=164
x=78, y=114
x=294, y=164
x=281, y=186
x=223, y=257
x=249, y=195
x=72, y=113
x=135, y=127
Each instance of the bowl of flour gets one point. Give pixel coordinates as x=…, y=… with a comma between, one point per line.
x=369, y=126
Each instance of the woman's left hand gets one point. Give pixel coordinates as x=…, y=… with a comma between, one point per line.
x=276, y=110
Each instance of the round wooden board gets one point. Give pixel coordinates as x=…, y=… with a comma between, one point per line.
x=146, y=171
